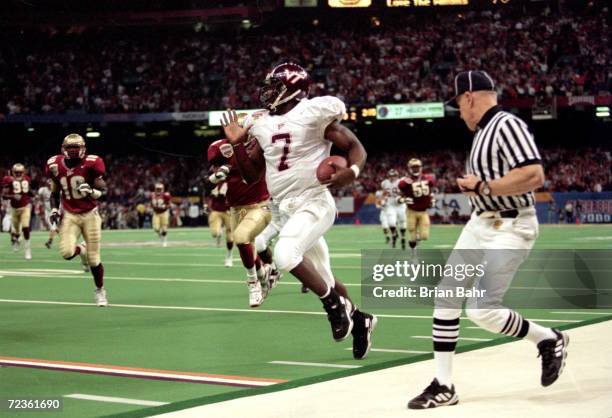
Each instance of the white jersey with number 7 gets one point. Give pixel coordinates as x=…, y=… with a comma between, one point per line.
x=294, y=144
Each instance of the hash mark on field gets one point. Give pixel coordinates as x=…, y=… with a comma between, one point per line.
x=301, y=363
x=114, y=400
x=394, y=350
x=428, y=337
x=240, y=310
x=582, y=313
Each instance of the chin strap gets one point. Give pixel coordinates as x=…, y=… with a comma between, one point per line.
x=280, y=101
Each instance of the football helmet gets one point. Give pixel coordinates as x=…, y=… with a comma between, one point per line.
x=287, y=81
x=18, y=170
x=73, y=146
x=392, y=173
x=415, y=167
x=159, y=187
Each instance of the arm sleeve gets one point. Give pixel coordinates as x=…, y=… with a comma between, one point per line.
x=516, y=143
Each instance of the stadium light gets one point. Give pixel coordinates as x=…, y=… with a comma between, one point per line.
x=602, y=111
x=93, y=134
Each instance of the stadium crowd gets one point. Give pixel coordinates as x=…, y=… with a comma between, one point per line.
x=128, y=201
x=406, y=59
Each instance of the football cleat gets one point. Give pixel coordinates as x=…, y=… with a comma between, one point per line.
x=28, y=254
x=305, y=289
x=256, y=296
x=229, y=262
x=553, y=353
x=83, y=255
x=16, y=245
x=435, y=395
x=339, y=315
x=274, y=278
x=362, y=333
x=164, y=242
x=100, y=295
x=48, y=244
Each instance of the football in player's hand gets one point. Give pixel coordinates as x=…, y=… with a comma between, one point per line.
x=325, y=170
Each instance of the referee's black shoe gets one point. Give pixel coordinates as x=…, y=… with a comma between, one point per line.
x=553, y=353
x=362, y=333
x=435, y=395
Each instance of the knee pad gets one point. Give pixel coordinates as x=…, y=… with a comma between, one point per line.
x=286, y=254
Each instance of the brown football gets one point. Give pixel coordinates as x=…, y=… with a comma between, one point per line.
x=325, y=171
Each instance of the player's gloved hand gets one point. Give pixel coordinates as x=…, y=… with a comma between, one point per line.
x=85, y=189
x=55, y=216
x=220, y=175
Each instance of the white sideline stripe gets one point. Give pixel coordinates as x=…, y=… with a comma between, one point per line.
x=114, y=400
x=429, y=337
x=394, y=350
x=199, y=308
x=301, y=363
x=35, y=274
x=582, y=313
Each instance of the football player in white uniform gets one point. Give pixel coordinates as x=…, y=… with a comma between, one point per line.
x=396, y=207
x=381, y=205
x=44, y=195
x=293, y=137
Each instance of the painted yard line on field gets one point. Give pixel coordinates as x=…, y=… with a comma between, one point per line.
x=153, y=374
x=273, y=311
x=393, y=350
x=581, y=313
x=113, y=399
x=428, y=337
x=301, y=363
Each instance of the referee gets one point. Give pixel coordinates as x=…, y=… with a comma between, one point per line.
x=503, y=169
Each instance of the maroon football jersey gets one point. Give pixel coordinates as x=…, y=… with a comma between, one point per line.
x=160, y=202
x=217, y=200
x=19, y=189
x=69, y=179
x=239, y=192
x=419, y=189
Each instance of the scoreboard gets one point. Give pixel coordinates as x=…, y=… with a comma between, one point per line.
x=423, y=4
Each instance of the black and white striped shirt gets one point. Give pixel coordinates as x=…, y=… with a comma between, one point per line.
x=501, y=143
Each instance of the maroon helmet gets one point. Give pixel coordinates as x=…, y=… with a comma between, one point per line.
x=287, y=81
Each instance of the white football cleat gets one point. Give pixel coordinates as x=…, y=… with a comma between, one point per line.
x=274, y=278
x=256, y=296
x=164, y=242
x=101, y=300
x=229, y=261
x=28, y=254
x=83, y=255
x=16, y=245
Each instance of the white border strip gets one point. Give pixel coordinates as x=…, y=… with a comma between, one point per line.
x=301, y=363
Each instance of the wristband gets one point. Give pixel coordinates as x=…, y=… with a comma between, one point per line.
x=355, y=169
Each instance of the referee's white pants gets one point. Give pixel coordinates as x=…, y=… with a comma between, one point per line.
x=502, y=244
x=306, y=220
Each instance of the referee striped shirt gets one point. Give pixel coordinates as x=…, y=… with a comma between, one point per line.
x=501, y=143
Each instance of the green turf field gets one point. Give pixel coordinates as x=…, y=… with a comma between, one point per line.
x=179, y=309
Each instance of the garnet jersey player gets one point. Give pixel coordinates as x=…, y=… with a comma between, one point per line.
x=292, y=138
x=396, y=207
x=160, y=202
x=17, y=188
x=78, y=178
x=219, y=218
x=418, y=190
x=249, y=214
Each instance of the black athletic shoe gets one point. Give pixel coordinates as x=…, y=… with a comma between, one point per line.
x=553, y=353
x=362, y=333
x=304, y=289
x=48, y=244
x=433, y=396
x=339, y=315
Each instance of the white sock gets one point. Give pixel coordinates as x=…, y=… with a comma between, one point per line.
x=26, y=244
x=538, y=333
x=261, y=272
x=228, y=254
x=252, y=274
x=444, y=367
